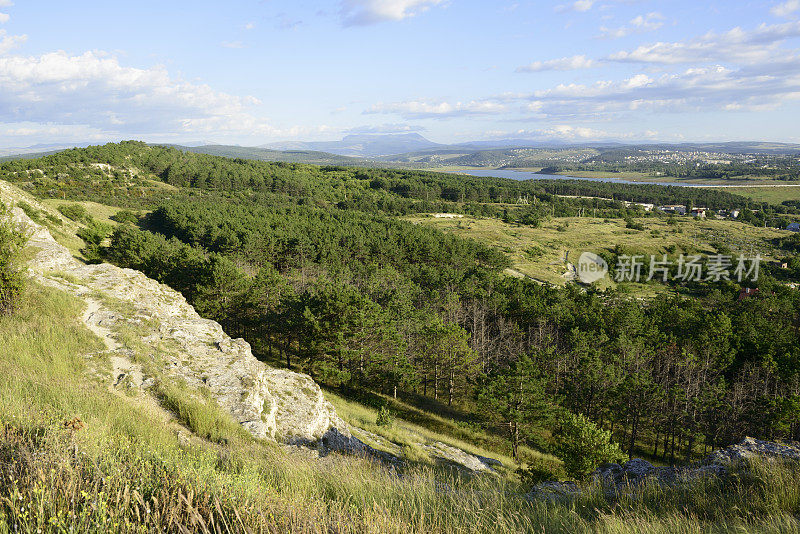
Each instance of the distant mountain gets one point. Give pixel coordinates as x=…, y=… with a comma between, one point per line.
x=39, y=149
x=363, y=145
x=265, y=154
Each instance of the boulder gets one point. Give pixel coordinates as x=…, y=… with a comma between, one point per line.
x=750, y=448
x=615, y=477
x=449, y=455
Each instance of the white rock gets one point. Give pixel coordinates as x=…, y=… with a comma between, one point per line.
x=269, y=403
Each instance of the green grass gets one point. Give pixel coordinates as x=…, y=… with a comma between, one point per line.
x=770, y=195
x=539, y=252
x=99, y=212
x=413, y=427
x=199, y=413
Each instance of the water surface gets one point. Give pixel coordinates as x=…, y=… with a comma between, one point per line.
x=527, y=175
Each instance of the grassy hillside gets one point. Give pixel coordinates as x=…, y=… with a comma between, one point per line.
x=540, y=252
x=770, y=195
x=124, y=469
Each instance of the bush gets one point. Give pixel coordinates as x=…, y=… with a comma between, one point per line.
x=126, y=217
x=76, y=212
x=12, y=280
x=583, y=446
x=30, y=211
x=539, y=470
x=93, y=235
x=633, y=225
x=385, y=417
x=530, y=219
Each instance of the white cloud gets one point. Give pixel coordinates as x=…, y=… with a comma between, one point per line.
x=249, y=26
x=578, y=5
x=6, y=3
x=422, y=108
x=94, y=90
x=364, y=12
x=738, y=45
x=786, y=8
x=232, y=44
x=564, y=63
x=696, y=89
x=26, y=133
x=4, y=17
x=641, y=24
x=568, y=132
x=9, y=42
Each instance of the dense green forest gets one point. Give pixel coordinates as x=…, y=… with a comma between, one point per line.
x=76, y=173
x=310, y=266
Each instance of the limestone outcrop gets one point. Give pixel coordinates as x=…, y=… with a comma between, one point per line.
x=170, y=340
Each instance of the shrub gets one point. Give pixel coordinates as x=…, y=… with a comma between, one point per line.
x=633, y=225
x=534, y=252
x=12, y=280
x=76, y=212
x=530, y=219
x=385, y=417
x=539, y=470
x=126, y=217
x=583, y=446
x=30, y=211
x=93, y=235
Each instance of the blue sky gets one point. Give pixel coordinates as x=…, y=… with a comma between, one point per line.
x=254, y=72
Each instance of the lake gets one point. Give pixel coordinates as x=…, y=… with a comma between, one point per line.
x=527, y=175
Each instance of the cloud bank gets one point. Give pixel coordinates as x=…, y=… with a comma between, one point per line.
x=94, y=89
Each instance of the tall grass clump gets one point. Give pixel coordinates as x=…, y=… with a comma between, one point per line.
x=200, y=414
x=12, y=279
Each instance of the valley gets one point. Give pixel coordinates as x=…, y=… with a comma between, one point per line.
x=406, y=330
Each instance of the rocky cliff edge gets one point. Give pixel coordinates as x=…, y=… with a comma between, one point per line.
x=172, y=342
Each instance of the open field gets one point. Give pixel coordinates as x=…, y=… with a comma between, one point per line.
x=99, y=212
x=644, y=177
x=539, y=252
x=771, y=194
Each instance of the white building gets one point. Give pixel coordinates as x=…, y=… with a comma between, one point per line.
x=680, y=209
